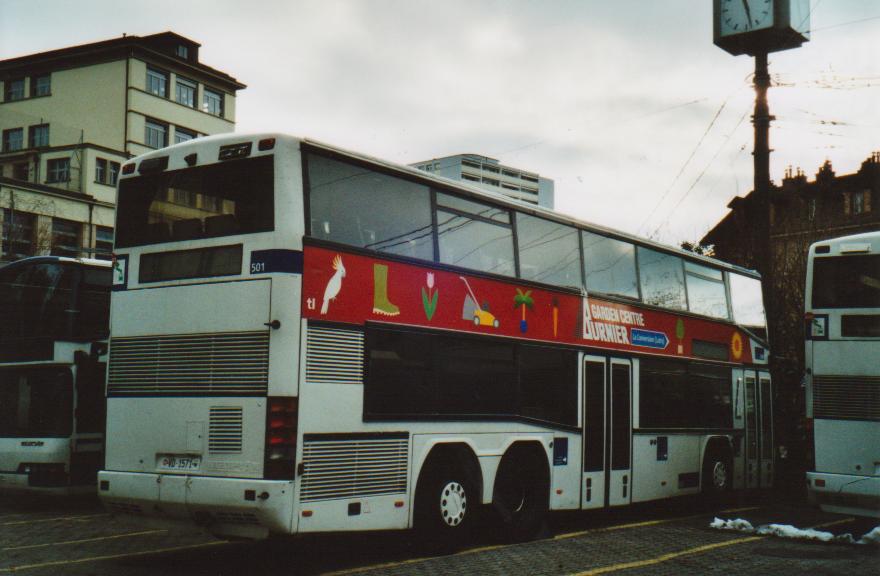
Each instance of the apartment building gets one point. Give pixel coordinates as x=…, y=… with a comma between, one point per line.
x=488, y=173
x=70, y=117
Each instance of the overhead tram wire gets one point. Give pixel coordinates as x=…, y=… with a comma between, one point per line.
x=689, y=158
x=699, y=177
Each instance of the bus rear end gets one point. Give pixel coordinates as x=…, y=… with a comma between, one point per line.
x=203, y=370
x=843, y=373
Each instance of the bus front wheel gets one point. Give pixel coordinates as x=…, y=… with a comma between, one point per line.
x=446, y=504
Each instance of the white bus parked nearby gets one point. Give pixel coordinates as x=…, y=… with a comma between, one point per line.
x=843, y=373
x=53, y=340
x=306, y=339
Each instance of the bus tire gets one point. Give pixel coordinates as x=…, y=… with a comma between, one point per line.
x=521, y=497
x=446, y=503
x=717, y=472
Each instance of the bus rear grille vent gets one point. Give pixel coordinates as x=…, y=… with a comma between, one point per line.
x=354, y=467
x=224, y=430
x=334, y=356
x=226, y=364
x=846, y=397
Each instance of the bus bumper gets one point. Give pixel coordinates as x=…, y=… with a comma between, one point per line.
x=231, y=507
x=845, y=493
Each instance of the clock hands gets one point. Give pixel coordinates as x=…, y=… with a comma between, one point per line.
x=748, y=13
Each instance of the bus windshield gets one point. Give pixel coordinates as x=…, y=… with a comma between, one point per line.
x=846, y=282
x=224, y=199
x=36, y=401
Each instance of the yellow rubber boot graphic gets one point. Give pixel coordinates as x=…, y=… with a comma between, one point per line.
x=381, y=305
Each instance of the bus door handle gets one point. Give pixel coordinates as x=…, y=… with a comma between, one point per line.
x=274, y=324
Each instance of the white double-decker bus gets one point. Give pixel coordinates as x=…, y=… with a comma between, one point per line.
x=843, y=373
x=53, y=341
x=305, y=339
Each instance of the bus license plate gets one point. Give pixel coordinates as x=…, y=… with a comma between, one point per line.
x=178, y=462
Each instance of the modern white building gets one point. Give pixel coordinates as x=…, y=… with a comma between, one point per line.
x=70, y=117
x=488, y=173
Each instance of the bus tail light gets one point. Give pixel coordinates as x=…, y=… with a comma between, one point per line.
x=281, y=421
x=266, y=144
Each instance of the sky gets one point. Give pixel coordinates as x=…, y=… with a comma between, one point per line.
x=643, y=124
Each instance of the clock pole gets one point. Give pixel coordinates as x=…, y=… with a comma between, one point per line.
x=761, y=121
x=763, y=186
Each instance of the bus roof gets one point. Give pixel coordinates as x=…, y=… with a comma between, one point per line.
x=179, y=150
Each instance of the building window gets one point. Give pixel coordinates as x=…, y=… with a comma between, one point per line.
x=58, y=170
x=155, y=134
x=184, y=197
x=41, y=85
x=18, y=234
x=185, y=92
x=182, y=135
x=114, y=173
x=861, y=201
x=39, y=136
x=100, y=171
x=65, y=237
x=13, y=139
x=14, y=89
x=212, y=102
x=157, y=82
x=103, y=242
x=182, y=51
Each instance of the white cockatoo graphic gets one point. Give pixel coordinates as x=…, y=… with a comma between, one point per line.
x=335, y=283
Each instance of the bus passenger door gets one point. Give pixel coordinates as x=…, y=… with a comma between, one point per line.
x=593, y=481
x=752, y=431
x=620, y=432
x=765, y=430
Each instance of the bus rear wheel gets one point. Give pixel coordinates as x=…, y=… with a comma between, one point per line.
x=521, y=497
x=717, y=473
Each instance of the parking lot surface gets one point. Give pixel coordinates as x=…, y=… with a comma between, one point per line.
x=76, y=536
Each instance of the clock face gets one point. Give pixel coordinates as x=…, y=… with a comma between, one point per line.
x=739, y=16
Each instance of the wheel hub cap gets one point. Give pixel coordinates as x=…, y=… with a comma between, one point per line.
x=719, y=474
x=453, y=503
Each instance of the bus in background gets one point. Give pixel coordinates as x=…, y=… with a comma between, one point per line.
x=54, y=324
x=306, y=339
x=843, y=373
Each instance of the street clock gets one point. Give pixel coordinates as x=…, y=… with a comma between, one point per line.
x=760, y=26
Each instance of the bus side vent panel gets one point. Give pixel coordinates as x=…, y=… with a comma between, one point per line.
x=224, y=364
x=334, y=356
x=224, y=430
x=353, y=466
x=846, y=397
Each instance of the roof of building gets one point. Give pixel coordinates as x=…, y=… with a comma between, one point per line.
x=159, y=46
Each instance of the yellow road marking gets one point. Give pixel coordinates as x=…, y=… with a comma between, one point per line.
x=58, y=519
x=690, y=551
x=666, y=557
x=12, y=569
x=623, y=526
x=83, y=541
x=348, y=571
x=735, y=510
